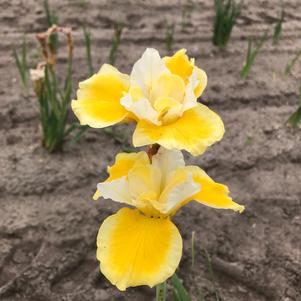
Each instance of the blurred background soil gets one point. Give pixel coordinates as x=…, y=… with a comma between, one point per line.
x=48, y=220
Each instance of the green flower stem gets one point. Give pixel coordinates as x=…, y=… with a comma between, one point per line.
x=161, y=291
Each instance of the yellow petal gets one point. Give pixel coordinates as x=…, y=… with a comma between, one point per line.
x=134, y=249
x=199, y=81
x=98, y=103
x=197, y=129
x=212, y=194
x=123, y=163
x=180, y=64
x=144, y=184
x=178, y=188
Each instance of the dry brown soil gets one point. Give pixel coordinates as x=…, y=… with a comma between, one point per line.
x=48, y=221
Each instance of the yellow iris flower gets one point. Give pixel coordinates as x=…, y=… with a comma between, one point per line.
x=160, y=95
x=141, y=246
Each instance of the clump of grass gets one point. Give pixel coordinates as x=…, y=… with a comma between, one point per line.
x=226, y=14
x=54, y=100
x=21, y=63
x=120, y=138
x=169, y=33
x=87, y=40
x=292, y=63
x=251, y=55
x=118, y=28
x=295, y=118
x=278, y=28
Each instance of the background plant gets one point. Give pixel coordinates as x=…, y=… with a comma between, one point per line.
x=295, y=118
x=169, y=33
x=21, y=63
x=252, y=53
x=278, y=28
x=226, y=14
x=118, y=28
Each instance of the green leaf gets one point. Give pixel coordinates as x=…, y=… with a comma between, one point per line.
x=179, y=291
x=161, y=291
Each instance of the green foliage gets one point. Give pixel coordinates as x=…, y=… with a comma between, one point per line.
x=118, y=28
x=120, y=138
x=292, y=63
x=169, y=32
x=278, y=28
x=226, y=14
x=51, y=19
x=161, y=291
x=251, y=55
x=179, y=291
x=87, y=40
x=295, y=118
x=21, y=63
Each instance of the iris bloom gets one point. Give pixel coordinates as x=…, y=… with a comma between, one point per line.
x=160, y=95
x=141, y=246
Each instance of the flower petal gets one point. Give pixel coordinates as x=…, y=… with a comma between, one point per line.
x=116, y=190
x=147, y=70
x=98, y=103
x=123, y=163
x=180, y=187
x=198, y=81
x=212, y=194
x=180, y=64
x=167, y=161
x=197, y=129
x=134, y=249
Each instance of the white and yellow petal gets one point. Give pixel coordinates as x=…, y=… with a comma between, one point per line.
x=147, y=70
x=123, y=163
x=167, y=161
x=179, y=187
x=212, y=194
x=98, y=98
x=197, y=129
x=134, y=249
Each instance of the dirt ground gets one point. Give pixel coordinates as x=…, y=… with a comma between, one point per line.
x=48, y=221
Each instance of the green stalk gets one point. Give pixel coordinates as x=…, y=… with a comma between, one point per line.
x=87, y=37
x=115, y=43
x=161, y=291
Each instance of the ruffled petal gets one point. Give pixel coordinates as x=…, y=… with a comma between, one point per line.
x=197, y=129
x=147, y=70
x=116, y=190
x=212, y=194
x=179, y=187
x=134, y=249
x=98, y=103
x=167, y=161
x=123, y=163
x=180, y=64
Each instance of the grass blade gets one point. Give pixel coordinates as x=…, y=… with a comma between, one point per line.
x=161, y=291
x=295, y=118
x=169, y=32
x=118, y=28
x=179, y=291
x=278, y=28
x=87, y=39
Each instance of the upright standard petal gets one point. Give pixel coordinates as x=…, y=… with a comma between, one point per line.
x=147, y=70
x=197, y=129
x=134, y=249
x=212, y=194
x=98, y=103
